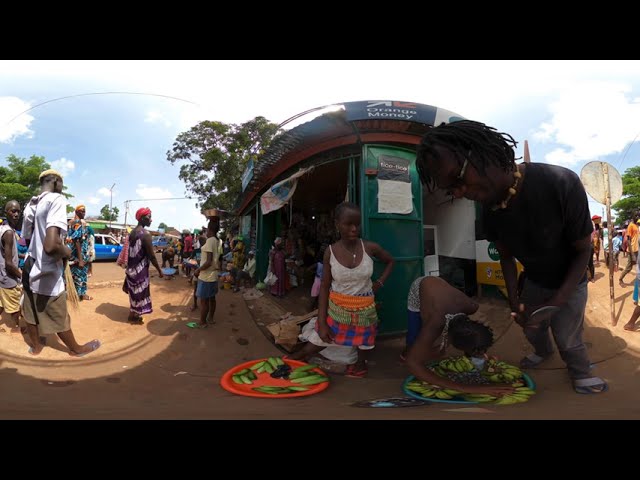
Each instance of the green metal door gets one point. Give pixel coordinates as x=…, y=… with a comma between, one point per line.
x=399, y=234
x=266, y=236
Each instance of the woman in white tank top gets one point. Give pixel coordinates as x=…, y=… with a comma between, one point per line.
x=346, y=306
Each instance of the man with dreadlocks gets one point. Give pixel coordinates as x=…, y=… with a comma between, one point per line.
x=443, y=318
x=472, y=160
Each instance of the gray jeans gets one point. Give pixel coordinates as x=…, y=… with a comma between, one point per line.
x=567, y=325
x=632, y=260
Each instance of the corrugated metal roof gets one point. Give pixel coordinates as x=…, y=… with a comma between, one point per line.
x=327, y=125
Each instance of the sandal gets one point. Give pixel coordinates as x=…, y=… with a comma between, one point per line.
x=589, y=386
x=353, y=373
x=532, y=360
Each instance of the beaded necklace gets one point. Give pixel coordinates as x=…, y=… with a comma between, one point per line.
x=512, y=191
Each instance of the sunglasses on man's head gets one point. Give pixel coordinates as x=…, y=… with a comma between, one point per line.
x=459, y=181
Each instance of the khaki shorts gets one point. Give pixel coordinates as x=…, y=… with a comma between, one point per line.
x=50, y=314
x=10, y=298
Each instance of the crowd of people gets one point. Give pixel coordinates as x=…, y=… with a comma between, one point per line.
x=464, y=159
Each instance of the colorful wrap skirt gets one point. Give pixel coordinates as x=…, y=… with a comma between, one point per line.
x=353, y=320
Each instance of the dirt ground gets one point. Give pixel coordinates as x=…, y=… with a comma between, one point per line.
x=165, y=370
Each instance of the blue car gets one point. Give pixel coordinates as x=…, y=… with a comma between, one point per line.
x=160, y=243
x=107, y=247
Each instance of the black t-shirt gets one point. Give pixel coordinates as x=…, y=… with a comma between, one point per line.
x=542, y=221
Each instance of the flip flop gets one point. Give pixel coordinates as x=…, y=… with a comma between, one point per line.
x=353, y=373
x=94, y=344
x=532, y=360
x=587, y=386
x=196, y=325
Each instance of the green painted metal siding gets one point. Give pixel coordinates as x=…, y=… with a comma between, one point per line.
x=266, y=236
x=400, y=235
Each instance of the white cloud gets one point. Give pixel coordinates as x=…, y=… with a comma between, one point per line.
x=64, y=166
x=154, y=116
x=106, y=193
x=589, y=121
x=561, y=156
x=94, y=200
x=14, y=123
x=146, y=192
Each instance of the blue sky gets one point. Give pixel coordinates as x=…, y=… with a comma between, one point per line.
x=571, y=112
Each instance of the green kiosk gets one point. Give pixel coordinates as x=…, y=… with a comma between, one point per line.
x=363, y=152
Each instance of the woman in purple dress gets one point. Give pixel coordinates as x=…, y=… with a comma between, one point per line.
x=278, y=268
x=136, y=282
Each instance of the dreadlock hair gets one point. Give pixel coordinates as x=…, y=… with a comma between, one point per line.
x=480, y=144
x=467, y=335
x=343, y=207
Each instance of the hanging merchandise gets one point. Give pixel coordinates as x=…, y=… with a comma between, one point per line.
x=280, y=193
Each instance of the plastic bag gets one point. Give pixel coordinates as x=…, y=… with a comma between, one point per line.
x=270, y=279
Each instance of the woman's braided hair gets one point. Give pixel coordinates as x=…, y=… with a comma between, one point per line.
x=480, y=144
x=470, y=336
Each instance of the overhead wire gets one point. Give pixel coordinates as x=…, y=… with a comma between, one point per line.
x=99, y=93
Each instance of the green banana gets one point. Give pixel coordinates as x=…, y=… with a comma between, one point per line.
x=451, y=392
x=304, y=368
x=295, y=375
x=442, y=395
x=313, y=380
x=255, y=366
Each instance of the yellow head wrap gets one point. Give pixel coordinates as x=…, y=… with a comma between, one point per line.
x=49, y=172
x=80, y=207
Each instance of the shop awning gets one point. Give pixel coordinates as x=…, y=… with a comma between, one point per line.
x=98, y=225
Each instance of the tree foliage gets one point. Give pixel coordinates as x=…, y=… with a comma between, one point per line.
x=109, y=214
x=629, y=205
x=163, y=225
x=19, y=180
x=216, y=154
